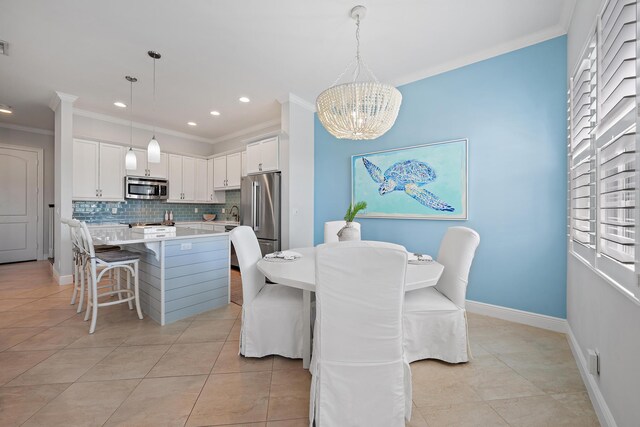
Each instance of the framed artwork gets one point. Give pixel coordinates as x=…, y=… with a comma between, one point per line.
x=421, y=182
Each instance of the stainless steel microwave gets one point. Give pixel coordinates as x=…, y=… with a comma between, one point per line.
x=138, y=187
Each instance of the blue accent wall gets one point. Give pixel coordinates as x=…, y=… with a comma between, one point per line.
x=512, y=108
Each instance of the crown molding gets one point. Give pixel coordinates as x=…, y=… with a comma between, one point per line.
x=59, y=97
x=247, y=131
x=516, y=44
x=295, y=99
x=26, y=129
x=138, y=125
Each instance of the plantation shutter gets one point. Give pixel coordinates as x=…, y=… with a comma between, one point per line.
x=616, y=133
x=582, y=164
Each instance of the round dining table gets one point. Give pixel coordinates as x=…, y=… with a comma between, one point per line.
x=301, y=274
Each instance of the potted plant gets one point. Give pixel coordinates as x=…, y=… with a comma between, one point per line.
x=350, y=231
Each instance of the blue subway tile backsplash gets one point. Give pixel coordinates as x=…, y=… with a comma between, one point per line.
x=149, y=210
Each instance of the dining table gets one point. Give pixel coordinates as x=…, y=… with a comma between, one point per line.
x=300, y=273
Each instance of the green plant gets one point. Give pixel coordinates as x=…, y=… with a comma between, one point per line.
x=353, y=210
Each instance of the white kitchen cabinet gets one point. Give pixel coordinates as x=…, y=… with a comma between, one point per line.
x=182, y=178
x=111, y=172
x=202, y=189
x=227, y=172
x=144, y=168
x=157, y=170
x=234, y=170
x=263, y=156
x=193, y=226
x=188, y=179
x=98, y=171
x=213, y=196
x=86, y=155
x=175, y=178
x=243, y=160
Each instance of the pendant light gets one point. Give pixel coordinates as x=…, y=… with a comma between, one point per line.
x=130, y=160
x=153, y=149
x=364, y=109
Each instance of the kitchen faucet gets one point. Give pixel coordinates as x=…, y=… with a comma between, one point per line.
x=235, y=215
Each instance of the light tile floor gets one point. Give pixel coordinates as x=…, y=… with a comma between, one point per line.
x=133, y=372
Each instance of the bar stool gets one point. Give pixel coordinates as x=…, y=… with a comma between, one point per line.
x=79, y=263
x=116, y=261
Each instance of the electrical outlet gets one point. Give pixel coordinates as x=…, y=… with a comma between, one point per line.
x=224, y=210
x=114, y=210
x=196, y=210
x=185, y=246
x=593, y=362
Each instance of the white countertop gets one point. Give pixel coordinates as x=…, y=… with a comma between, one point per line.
x=120, y=225
x=118, y=235
x=216, y=222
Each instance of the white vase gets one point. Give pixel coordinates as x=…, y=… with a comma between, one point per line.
x=349, y=232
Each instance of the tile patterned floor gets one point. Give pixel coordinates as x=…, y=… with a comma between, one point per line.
x=135, y=373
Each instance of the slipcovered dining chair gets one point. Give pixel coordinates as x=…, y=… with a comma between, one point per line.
x=360, y=374
x=271, y=313
x=331, y=229
x=435, y=321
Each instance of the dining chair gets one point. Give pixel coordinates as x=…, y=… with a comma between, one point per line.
x=97, y=264
x=360, y=374
x=331, y=229
x=435, y=321
x=271, y=313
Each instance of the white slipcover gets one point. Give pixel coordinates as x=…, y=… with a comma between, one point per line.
x=331, y=229
x=271, y=313
x=435, y=322
x=360, y=374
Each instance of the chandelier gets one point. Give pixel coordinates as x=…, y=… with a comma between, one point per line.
x=360, y=109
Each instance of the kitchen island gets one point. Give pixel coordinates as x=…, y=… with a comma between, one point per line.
x=182, y=273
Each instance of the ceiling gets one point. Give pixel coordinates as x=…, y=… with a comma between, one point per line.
x=214, y=51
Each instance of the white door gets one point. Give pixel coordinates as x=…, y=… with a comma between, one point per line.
x=85, y=169
x=254, y=157
x=141, y=162
x=234, y=170
x=111, y=172
x=175, y=177
x=220, y=172
x=18, y=205
x=202, y=194
x=269, y=151
x=189, y=179
x=158, y=170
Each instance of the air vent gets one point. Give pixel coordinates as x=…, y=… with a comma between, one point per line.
x=4, y=47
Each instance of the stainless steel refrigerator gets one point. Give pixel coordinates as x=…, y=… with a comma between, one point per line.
x=260, y=208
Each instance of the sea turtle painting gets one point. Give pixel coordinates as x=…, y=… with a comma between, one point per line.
x=408, y=176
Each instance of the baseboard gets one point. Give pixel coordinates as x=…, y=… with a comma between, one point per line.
x=62, y=279
x=597, y=399
x=542, y=321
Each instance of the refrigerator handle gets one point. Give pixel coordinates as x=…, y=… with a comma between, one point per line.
x=256, y=203
x=253, y=205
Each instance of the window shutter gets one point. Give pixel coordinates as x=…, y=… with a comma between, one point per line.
x=583, y=108
x=616, y=132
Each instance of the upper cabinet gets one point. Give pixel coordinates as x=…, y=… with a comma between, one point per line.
x=227, y=172
x=144, y=168
x=263, y=156
x=98, y=171
x=213, y=196
x=243, y=160
x=182, y=178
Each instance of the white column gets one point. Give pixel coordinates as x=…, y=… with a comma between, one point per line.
x=296, y=163
x=62, y=105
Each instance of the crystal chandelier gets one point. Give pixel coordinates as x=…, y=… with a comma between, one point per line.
x=358, y=109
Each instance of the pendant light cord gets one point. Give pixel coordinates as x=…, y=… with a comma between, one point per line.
x=154, y=98
x=131, y=115
x=359, y=63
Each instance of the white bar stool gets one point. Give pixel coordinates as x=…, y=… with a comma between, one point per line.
x=108, y=261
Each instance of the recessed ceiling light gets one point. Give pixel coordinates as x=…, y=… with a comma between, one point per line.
x=215, y=113
x=5, y=109
x=192, y=123
x=120, y=104
x=244, y=99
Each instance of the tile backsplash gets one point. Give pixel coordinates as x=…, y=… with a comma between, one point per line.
x=149, y=210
